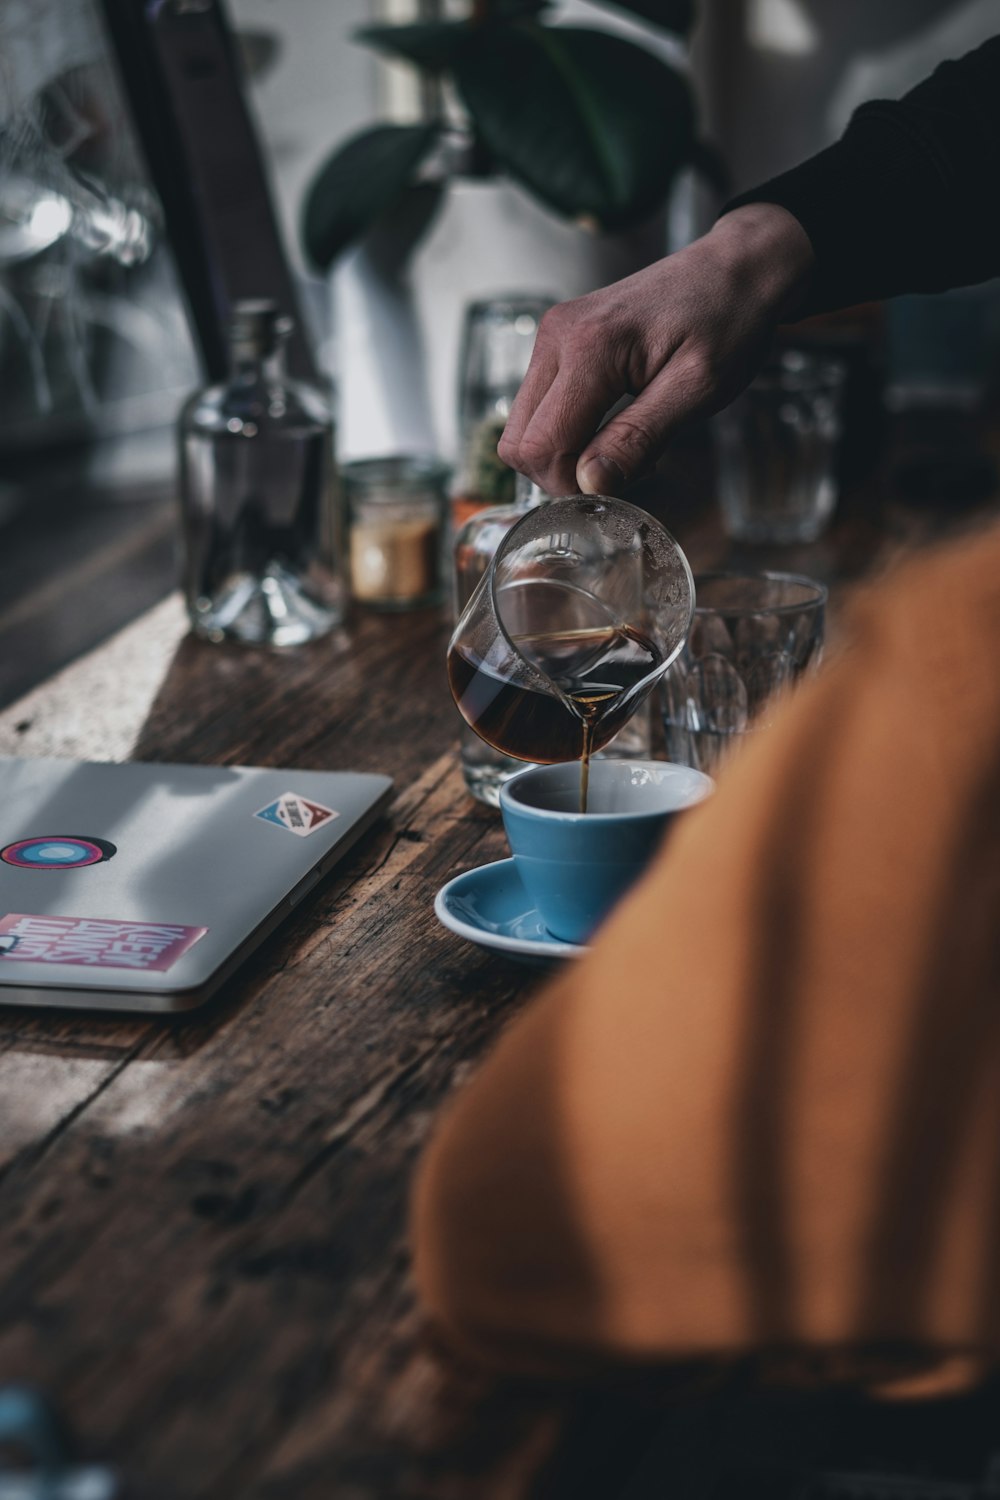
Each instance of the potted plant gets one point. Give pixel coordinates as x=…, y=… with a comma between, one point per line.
x=572, y=126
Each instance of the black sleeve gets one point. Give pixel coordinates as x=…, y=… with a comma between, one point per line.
x=909, y=199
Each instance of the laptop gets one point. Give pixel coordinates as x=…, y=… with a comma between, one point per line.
x=142, y=887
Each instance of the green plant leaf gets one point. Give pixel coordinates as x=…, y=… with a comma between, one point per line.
x=432, y=45
x=595, y=126
x=358, y=183
x=673, y=15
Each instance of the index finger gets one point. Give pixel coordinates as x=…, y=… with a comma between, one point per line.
x=564, y=422
x=542, y=371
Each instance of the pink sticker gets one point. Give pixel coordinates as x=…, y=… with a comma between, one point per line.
x=95, y=941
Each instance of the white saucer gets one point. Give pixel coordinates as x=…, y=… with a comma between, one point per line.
x=490, y=906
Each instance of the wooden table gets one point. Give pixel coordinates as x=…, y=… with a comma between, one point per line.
x=202, y=1222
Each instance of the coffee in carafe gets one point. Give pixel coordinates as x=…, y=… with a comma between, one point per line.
x=535, y=725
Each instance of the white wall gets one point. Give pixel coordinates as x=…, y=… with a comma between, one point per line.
x=322, y=88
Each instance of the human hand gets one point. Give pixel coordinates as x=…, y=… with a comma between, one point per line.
x=683, y=336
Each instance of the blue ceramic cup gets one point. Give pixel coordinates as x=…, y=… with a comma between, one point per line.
x=575, y=866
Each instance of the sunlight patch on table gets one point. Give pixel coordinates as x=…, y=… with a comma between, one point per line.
x=38, y=1090
x=96, y=708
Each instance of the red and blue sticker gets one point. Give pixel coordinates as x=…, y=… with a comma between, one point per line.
x=57, y=851
x=296, y=814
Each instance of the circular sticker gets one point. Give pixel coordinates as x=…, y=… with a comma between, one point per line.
x=57, y=852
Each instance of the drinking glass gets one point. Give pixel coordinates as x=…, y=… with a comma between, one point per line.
x=497, y=342
x=776, y=445
x=752, y=636
x=586, y=603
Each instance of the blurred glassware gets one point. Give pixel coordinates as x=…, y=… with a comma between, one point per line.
x=94, y=339
x=752, y=636
x=397, y=513
x=31, y=219
x=942, y=350
x=34, y=217
x=263, y=554
x=776, y=446
x=498, y=339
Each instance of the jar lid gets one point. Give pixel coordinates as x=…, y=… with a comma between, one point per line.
x=395, y=478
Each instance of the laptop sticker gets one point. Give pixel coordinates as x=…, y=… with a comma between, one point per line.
x=96, y=942
x=57, y=851
x=297, y=814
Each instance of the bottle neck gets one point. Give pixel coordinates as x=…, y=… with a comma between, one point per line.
x=249, y=365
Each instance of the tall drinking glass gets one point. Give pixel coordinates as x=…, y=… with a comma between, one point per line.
x=776, y=446
x=497, y=341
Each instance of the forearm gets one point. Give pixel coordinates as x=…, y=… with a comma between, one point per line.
x=765, y=259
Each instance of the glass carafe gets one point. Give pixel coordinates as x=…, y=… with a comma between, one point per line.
x=586, y=603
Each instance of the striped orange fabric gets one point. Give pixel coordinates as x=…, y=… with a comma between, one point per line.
x=764, y=1112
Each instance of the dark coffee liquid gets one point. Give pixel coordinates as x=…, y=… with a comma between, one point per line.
x=537, y=726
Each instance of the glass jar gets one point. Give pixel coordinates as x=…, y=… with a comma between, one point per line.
x=397, y=514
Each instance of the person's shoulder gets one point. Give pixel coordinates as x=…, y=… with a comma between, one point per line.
x=942, y=601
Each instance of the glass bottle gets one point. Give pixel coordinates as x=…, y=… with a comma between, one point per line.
x=259, y=500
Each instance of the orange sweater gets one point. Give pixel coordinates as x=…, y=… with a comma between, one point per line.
x=764, y=1111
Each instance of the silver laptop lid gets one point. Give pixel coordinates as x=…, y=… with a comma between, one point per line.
x=148, y=877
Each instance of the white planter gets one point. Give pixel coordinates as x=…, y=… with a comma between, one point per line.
x=398, y=310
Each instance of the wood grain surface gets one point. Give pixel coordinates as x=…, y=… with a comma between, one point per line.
x=203, y=1252
x=202, y=1223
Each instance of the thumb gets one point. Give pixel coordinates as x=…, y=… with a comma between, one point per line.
x=632, y=440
